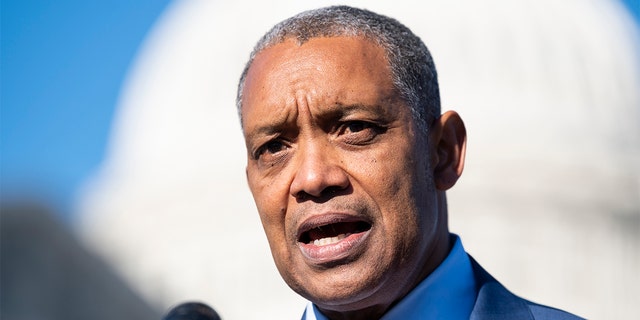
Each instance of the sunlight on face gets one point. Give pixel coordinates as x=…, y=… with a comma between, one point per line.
x=336, y=171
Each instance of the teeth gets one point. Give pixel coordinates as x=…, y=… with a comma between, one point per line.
x=330, y=240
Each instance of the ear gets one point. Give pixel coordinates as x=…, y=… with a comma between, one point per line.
x=448, y=141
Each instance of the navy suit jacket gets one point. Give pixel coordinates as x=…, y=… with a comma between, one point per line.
x=495, y=302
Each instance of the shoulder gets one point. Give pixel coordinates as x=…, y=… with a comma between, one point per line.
x=544, y=312
x=494, y=301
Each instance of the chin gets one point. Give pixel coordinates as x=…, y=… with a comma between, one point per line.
x=346, y=289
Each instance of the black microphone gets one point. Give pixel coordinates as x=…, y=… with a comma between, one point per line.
x=192, y=311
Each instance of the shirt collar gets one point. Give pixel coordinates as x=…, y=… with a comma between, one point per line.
x=449, y=292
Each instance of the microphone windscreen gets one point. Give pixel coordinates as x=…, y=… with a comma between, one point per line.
x=192, y=311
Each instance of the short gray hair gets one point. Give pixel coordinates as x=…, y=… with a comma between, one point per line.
x=412, y=68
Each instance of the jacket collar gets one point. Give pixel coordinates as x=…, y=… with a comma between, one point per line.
x=494, y=301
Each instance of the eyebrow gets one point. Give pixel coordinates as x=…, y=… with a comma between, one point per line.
x=339, y=110
x=266, y=129
x=328, y=113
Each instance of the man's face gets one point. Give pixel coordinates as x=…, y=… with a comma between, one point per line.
x=338, y=172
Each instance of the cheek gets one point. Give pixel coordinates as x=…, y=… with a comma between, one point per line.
x=272, y=213
x=271, y=202
x=391, y=179
x=390, y=174
x=270, y=209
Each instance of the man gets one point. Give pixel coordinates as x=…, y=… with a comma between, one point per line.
x=348, y=162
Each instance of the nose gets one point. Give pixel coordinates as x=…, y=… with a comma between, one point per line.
x=319, y=173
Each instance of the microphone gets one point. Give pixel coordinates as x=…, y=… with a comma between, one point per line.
x=192, y=311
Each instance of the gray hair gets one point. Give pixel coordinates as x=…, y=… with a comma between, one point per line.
x=412, y=68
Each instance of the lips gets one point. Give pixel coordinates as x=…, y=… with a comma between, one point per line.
x=331, y=238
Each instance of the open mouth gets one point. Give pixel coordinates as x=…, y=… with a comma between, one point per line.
x=332, y=233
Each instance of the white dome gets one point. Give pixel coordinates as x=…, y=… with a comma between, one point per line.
x=549, y=201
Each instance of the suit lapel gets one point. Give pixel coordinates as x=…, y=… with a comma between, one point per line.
x=494, y=301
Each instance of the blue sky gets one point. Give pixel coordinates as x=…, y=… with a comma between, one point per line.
x=63, y=63
x=634, y=7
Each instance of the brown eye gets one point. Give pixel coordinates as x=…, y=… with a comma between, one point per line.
x=357, y=126
x=359, y=132
x=274, y=146
x=270, y=148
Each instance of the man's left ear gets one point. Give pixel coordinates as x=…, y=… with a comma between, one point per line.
x=448, y=142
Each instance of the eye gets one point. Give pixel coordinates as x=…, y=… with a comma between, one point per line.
x=270, y=149
x=359, y=132
x=356, y=126
x=273, y=147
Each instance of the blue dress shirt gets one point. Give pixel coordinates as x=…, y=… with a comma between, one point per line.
x=449, y=292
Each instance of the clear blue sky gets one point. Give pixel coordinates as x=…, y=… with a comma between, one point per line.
x=63, y=63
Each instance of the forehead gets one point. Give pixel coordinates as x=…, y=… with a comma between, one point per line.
x=350, y=70
x=337, y=49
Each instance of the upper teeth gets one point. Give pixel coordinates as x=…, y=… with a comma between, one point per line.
x=330, y=240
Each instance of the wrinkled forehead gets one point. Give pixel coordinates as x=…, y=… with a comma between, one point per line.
x=336, y=66
x=300, y=40
x=348, y=52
